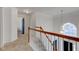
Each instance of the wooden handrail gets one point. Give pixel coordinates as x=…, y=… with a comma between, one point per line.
x=57, y=34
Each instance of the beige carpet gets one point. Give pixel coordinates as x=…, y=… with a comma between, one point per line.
x=21, y=44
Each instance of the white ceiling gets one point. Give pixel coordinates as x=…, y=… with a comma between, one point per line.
x=50, y=10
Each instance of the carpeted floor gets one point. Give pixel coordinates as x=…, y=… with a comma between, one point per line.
x=20, y=44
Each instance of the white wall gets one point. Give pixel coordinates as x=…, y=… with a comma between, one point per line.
x=1, y=28
x=6, y=25
x=69, y=17
x=13, y=24
x=9, y=25
x=20, y=23
x=27, y=22
x=44, y=21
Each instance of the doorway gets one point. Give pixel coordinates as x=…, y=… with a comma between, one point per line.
x=21, y=26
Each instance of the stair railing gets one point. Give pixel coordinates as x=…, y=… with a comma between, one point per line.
x=64, y=37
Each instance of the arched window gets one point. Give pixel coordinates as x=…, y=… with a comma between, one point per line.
x=69, y=29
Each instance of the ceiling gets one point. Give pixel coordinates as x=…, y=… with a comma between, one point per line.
x=50, y=10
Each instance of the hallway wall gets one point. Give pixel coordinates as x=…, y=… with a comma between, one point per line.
x=9, y=22
x=44, y=21
x=20, y=23
x=6, y=25
x=1, y=28
x=13, y=24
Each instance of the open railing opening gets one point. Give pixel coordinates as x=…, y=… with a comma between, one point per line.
x=51, y=41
